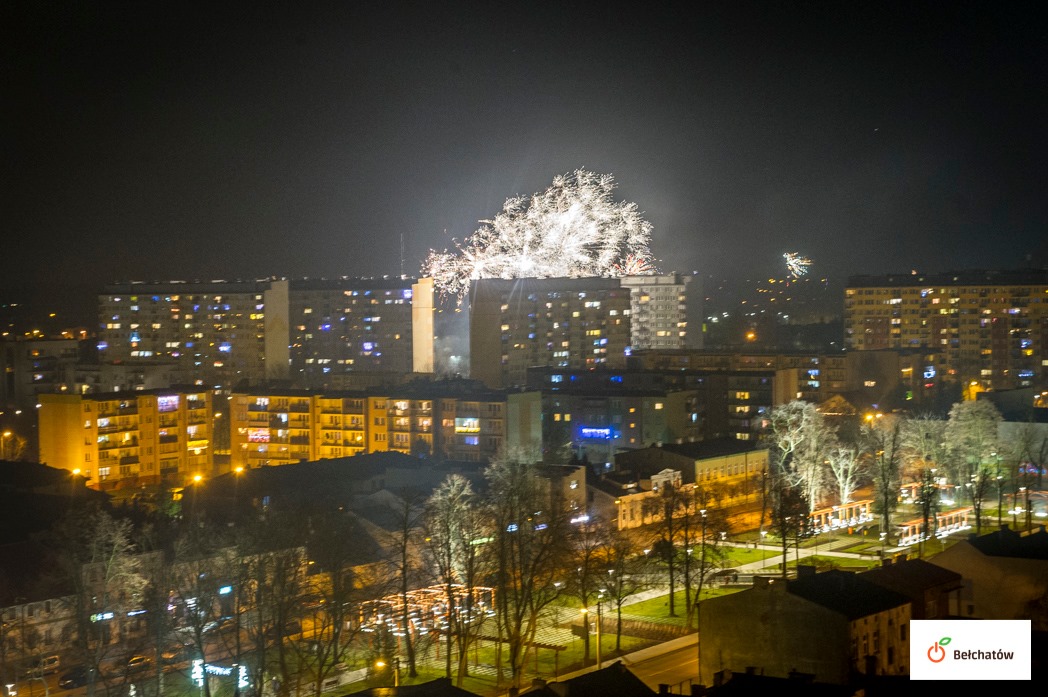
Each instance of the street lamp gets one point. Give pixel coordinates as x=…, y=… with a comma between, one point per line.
x=600, y=597
x=396, y=669
x=764, y=550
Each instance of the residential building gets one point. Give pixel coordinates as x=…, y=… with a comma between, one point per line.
x=129, y=439
x=219, y=332
x=565, y=322
x=359, y=325
x=591, y=322
x=604, y=411
x=29, y=367
x=830, y=626
x=1005, y=575
x=663, y=308
x=310, y=332
x=985, y=327
x=933, y=590
x=879, y=378
x=452, y=419
x=600, y=412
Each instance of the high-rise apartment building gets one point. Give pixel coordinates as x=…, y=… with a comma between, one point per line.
x=665, y=311
x=219, y=333
x=516, y=324
x=985, y=327
x=352, y=325
x=129, y=439
x=566, y=322
x=311, y=332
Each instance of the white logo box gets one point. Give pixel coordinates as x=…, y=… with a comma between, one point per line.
x=970, y=649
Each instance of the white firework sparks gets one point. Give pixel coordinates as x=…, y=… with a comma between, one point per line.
x=796, y=265
x=574, y=228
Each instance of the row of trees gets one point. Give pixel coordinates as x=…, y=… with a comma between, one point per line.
x=816, y=463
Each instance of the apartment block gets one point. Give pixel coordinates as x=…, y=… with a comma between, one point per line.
x=313, y=333
x=353, y=325
x=564, y=322
x=663, y=307
x=129, y=439
x=988, y=328
x=219, y=332
x=610, y=410
x=452, y=420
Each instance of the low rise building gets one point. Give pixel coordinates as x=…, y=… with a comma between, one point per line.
x=831, y=626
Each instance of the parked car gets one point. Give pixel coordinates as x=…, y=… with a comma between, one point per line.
x=45, y=666
x=174, y=654
x=137, y=664
x=74, y=677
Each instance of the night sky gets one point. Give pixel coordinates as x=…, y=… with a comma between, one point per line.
x=190, y=140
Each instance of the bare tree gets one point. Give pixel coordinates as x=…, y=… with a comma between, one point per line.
x=883, y=439
x=588, y=578
x=340, y=582
x=530, y=552
x=927, y=500
x=455, y=532
x=666, y=508
x=971, y=431
x=94, y=551
x=404, y=563
x=703, y=530
x=629, y=573
x=845, y=464
x=801, y=438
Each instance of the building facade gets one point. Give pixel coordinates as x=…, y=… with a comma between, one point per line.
x=633, y=408
x=452, y=420
x=129, y=439
x=220, y=333
x=354, y=325
x=564, y=322
x=831, y=626
x=985, y=327
x=308, y=332
x=663, y=307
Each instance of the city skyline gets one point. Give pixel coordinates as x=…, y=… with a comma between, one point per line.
x=164, y=141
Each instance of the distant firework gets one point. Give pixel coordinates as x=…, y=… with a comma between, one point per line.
x=796, y=265
x=574, y=228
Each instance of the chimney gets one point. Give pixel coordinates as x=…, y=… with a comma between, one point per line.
x=538, y=683
x=664, y=689
x=887, y=561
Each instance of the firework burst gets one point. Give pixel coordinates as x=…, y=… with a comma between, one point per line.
x=574, y=228
x=796, y=265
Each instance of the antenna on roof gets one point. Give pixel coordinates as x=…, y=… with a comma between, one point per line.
x=402, y=255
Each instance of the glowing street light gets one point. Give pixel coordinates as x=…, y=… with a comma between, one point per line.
x=396, y=669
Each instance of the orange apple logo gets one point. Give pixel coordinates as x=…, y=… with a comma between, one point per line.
x=936, y=652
